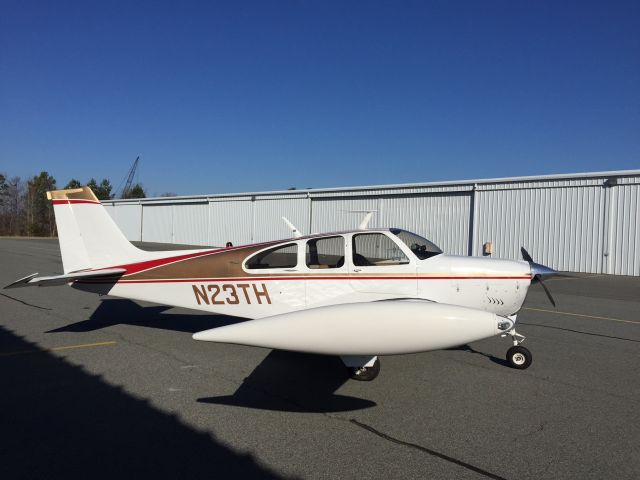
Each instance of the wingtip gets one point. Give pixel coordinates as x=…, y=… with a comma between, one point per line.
x=21, y=282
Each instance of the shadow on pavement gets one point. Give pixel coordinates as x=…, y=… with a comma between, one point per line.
x=294, y=382
x=127, y=312
x=61, y=422
x=467, y=348
x=284, y=381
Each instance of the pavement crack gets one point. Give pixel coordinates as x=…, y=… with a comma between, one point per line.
x=429, y=451
x=24, y=303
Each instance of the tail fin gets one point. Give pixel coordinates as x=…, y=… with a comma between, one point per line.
x=88, y=236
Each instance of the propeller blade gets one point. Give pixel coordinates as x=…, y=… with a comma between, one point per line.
x=538, y=271
x=546, y=290
x=525, y=255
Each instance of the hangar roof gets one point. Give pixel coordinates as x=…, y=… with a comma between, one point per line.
x=556, y=180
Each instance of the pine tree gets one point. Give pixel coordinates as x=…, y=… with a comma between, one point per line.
x=40, y=219
x=73, y=183
x=136, y=192
x=102, y=191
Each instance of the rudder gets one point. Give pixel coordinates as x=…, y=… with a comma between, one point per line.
x=88, y=236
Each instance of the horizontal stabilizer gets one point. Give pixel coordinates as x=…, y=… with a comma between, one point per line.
x=34, y=281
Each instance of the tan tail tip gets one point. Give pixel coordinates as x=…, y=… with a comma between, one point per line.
x=83, y=193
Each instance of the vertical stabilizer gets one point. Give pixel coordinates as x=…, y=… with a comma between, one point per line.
x=88, y=236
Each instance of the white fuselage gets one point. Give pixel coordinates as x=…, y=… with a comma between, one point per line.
x=492, y=285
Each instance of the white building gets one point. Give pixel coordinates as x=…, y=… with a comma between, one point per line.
x=586, y=222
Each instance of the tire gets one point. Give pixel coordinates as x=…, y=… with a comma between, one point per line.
x=519, y=357
x=370, y=373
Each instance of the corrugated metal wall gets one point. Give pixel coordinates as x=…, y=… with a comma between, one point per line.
x=157, y=223
x=128, y=218
x=561, y=227
x=623, y=255
x=585, y=223
x=231, y=221
x=191, y=223
x=342, y=213
x=268, y=213
x=442, y=218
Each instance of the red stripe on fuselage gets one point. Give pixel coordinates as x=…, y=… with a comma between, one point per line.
x=263, y=279
x=70, y=201
x=159, y=262
x=138, y=267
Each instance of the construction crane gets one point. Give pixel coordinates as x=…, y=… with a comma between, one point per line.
x=130, y=175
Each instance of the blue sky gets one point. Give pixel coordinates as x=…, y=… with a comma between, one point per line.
x=242, y=96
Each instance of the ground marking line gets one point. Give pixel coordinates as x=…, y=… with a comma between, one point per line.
x=580, y=315
x=57, y=349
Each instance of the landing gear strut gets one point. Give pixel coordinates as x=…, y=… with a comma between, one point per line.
x=518, y=357
x=362, y=367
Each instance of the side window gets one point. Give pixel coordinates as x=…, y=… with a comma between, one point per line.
x=376, y=249
x=325, y=252
x=285, y=256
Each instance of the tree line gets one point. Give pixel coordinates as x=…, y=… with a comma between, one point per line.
x=25, y=210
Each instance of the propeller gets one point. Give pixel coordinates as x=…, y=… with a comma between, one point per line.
x=538, y=271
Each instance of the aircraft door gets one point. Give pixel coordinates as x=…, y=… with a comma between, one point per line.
x=379, y=264
x=326, y=271
x=276, y=288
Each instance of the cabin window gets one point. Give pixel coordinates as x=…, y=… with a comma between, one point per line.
x=376, y=249
x=284, y=256
x=421, y=247
x=325, y=252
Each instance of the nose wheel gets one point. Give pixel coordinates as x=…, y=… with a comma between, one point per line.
x=365, y=374
x=518, y=357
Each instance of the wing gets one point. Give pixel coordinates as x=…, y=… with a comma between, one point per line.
x=386, y=327
x=34, y=281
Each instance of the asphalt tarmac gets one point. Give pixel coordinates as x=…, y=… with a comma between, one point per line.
x=100, y=387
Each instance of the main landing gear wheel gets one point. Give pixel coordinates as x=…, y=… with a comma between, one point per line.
x=365, y=374
x=519, y=357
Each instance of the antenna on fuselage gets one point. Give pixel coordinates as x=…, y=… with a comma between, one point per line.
x=364, y=224
x=296, y=232
x=365, y=221
x=367, y=218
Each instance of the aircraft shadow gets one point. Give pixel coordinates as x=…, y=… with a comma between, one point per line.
x=294, y=382
x=58, y=421
x=467, y=348
x=283, y=381
x=112, y=312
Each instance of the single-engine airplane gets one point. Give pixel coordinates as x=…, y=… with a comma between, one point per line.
x=356, y=294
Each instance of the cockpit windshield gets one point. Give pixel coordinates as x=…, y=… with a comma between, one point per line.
x=421, y=247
